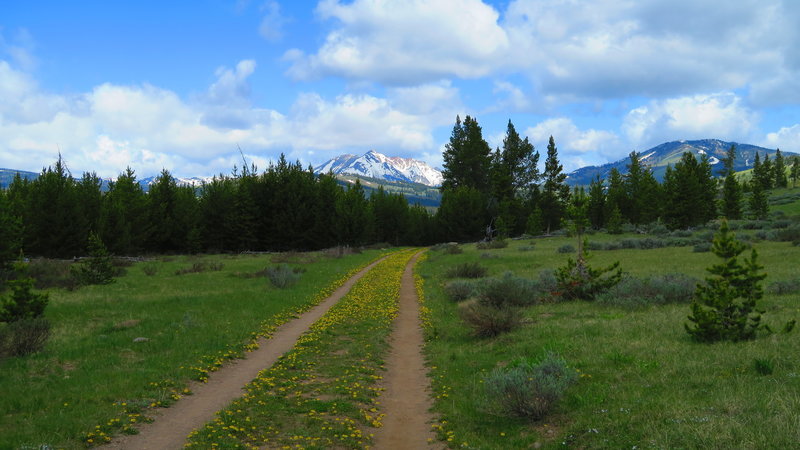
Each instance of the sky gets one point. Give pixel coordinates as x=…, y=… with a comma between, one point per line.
x=186, y=85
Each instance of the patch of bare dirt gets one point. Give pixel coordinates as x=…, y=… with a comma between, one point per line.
x=406, y=400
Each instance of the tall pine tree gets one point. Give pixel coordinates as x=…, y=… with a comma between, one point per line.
x=779, y=170
x=555, y=192
x=731, y=191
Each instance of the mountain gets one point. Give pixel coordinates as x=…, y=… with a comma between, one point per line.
x=7, y=176
x=669, y=153
x=377, y=165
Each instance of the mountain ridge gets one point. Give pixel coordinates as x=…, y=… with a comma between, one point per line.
x=377, y=165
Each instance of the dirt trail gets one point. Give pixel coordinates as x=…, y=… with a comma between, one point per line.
x=173, y=425
x=406, y=401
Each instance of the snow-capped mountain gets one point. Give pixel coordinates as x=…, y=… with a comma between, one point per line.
x=377, y=165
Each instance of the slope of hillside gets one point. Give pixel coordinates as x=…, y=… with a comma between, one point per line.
x=381, y=167
x=669, y=153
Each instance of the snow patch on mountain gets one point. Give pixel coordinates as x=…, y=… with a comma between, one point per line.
x=377, y=165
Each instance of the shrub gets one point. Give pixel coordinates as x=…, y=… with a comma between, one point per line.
x=283, y=276
x=702, y=247
x=634, y=292
x=200, y=267
x=724, y=308
x=508, y=290
x=527, y=390
x=467, y=270
x=22, y=303
x=23, y=337
x=493, y=244
x=784, y=287
x=487, y=255
x=566, y=248
x=459, y=290
x=51, y=273
x=525, y=248
x=787, y=234
x=547, y=280
x=97, y=268
x=150, y=269
x=488, y=321
x=681, y=233
x=452, y=249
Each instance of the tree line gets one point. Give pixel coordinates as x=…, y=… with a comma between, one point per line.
x=286, y=207
x=485, y=192
x=505, y=189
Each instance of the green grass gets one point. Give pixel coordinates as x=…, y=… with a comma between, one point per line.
x=642, y=383
x=194, y=322
x=324, y=393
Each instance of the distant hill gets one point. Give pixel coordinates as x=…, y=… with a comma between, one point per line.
x=669, y=153
x=427, y=196
x=7, y=176
x=381, y=167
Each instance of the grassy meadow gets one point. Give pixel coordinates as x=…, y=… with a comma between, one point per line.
x=92, y=379
x=642, y=382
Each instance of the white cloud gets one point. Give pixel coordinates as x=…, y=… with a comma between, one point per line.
x=405, y=42
x=576, y=147
x=787, y=139
x=514, y=98
x=719, y=115
x=149, y=128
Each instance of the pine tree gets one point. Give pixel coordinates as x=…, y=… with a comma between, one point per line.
x=467, y=157
x=615, y=195
x=10, y=235
x=766, y=175
x=97, y=268
x=731, y=191
x=462, y=215
x=689, y=192
x=795, y=170
x=724, y=308
x=555, y=192
x=352, y=216
x=779, y=169
x=597, y=203
x=123, y=220
x=759, y=206
x=22, y=303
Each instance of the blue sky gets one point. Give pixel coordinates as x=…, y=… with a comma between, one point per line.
x=182, y=85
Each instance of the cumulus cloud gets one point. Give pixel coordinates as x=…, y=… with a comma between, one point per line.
x=690, y=117
x=150, y=128
x=405, y=42
x=786, y=139
x=576, y=147
x=577, y=49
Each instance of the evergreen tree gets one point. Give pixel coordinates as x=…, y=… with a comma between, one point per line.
x=779, y=169
x=724, y=308
x=515, y=168
x=10, y=235
x=767, y=174
x=642, y=193
x=759, y=206
x=352, y=216
x=731, y=191
x=615, y=195
x=328, y=192
x=555, y=192
x=795, y=170
x=22, y=303
x=90, y=202
x=462, y=215
x=596, y=203
x=52, y=219
x=689, y=193
x=390, y=212
x=97, y=268
x=124, y=222
x=218, y=214
x=467, y=157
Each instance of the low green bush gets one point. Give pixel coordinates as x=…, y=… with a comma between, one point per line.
x=200, y=267
x=23, y=337
x=632, y=292
x=459, y=290
x=493, y=244
x=702, y=247
x=527, y=390
x=508, y=290
x=467, y=270
x=488, y=321
x=283, y=276
x=784, y=287
x=566, y=248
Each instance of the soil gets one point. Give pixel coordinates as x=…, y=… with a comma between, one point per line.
x=406, y=400
x=173, y=425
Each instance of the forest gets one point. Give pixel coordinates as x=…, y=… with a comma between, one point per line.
x=486, y=193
